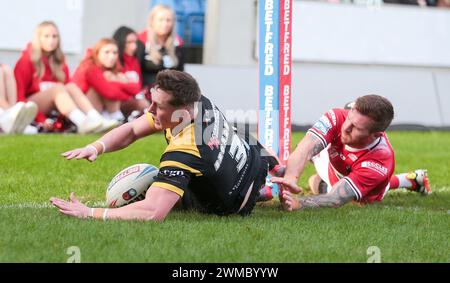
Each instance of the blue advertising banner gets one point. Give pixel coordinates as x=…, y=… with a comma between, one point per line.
x=268, y=124
x=269, y=69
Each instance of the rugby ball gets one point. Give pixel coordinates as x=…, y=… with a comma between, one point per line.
x=130, y=184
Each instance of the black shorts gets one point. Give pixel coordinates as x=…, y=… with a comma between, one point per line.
x=190, y=202
x=258, y=182
x=263, y=163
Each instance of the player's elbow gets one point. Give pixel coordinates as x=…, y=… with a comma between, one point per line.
x=154, y=216
x=338, y=203
x=159, y=216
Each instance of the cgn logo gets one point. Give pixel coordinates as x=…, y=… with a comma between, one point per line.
x=172, y=173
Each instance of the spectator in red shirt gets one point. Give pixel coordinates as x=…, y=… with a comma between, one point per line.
x=99, y=77
x=42, y=74
x=126, y=40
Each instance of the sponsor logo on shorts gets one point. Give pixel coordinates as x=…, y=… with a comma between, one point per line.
x=375, y=167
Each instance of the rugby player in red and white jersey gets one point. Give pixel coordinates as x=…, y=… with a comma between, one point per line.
x=352, y=156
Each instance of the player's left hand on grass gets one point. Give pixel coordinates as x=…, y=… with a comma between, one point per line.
x=88, y=152
x=73, y=207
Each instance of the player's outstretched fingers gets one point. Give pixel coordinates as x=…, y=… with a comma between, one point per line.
x=288, y=205
x=286, y=194
x=67, y=153
x=59, y=203
x=280, y=193
x=82, y=154
x=54, y=200
x=292, y=201
x=87, y=153
x=71, y=154
x=73, y=198
x=92, y=158
x=277, y=180
x=289, y=185
x=288, y=200
x=283, y=199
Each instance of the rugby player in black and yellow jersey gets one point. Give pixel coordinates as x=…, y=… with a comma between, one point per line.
x=206, y=166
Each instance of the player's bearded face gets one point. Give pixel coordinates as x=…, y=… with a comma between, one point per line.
x=355, y=130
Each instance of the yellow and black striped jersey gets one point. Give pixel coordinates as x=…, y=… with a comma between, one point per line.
x=209, y=159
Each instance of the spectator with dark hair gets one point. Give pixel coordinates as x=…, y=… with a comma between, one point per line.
x=159, y=47
x=126, y=40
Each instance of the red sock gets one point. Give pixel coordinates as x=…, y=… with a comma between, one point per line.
x=394, y=182
x=404, y=180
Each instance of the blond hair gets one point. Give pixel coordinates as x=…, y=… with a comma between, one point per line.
x=56, y=58
x=169, y=44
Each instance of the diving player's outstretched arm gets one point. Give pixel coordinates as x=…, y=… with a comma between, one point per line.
x=308, y=147
x=156, y=206
x=115, y=139
x=340, y=194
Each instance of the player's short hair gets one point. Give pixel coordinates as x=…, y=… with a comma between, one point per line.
x=378, y=108
x=182, y=86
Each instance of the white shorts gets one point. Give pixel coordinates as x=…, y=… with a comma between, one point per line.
x=321, y=162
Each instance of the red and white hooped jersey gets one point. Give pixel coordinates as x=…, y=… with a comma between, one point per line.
x=367, y=170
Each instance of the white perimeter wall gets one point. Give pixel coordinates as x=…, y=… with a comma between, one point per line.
x=81, y=23
x=339, y=52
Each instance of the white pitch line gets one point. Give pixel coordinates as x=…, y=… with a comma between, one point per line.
x=35, y=205
x=414, y=208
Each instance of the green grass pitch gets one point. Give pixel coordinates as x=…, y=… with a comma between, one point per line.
x=406, y=227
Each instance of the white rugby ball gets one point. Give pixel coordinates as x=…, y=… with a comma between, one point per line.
x=130, y=184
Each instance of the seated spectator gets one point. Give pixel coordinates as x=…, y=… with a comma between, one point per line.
x=126, y=40
x=159, y=47
x=41, y=76
x=421, y=3
x=15, y=116
x=443, y=3
x=99, y=78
